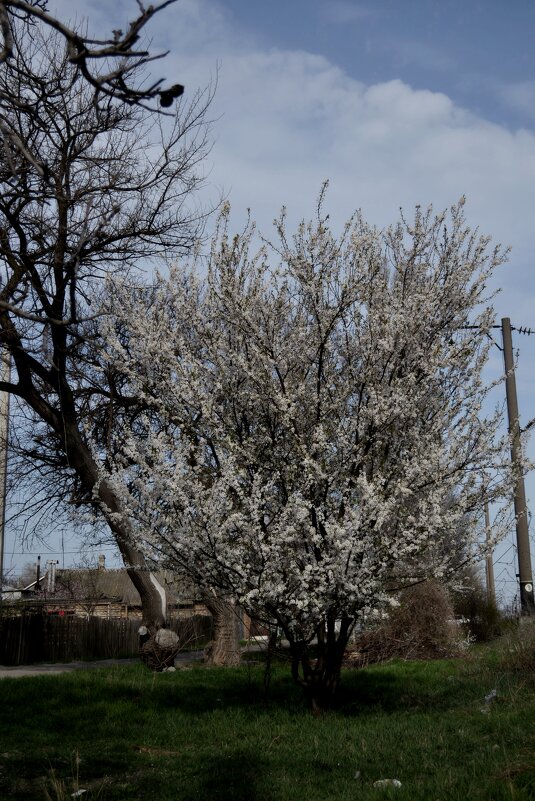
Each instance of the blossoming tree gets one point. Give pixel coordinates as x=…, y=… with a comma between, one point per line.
x=313, y=429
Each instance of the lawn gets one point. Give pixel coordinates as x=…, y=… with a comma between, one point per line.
x=212, y=734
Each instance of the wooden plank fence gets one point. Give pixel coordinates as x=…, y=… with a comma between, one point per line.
x=29, y=638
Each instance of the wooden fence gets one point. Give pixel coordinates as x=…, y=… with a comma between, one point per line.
x=29, y=638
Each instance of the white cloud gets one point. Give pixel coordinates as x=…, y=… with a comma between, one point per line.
x=288, y=119
x=292, y=119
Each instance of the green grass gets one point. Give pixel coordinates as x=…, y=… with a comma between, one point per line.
x=212, y=735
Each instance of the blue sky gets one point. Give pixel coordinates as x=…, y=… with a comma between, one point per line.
x=396, y=103
x=478, y=53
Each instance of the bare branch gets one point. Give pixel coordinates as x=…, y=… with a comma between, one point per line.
x=84, y=50
x=36, y=318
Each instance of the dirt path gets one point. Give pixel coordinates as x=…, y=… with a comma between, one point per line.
x=7, y=672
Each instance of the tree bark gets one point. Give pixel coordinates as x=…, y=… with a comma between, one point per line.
x=225, y=647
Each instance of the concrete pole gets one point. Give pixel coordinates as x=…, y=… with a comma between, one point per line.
x=527, y=604
x=489, y=564
x=5, y=376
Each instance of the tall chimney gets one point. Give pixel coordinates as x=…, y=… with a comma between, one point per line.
x=53, y=569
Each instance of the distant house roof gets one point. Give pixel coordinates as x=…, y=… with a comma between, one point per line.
x=99, y=585
x=31, y=586
x=105, y=585
x=10, y=593
x=116, y=585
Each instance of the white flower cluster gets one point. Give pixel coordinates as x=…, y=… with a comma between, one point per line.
x=312, y=434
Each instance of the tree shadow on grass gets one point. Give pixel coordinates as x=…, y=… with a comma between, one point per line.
x=205, y=690
x=107, y=701
x=396, y=687
x=227, y=777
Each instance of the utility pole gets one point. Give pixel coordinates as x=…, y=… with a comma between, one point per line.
x=5, y=376
x=489, y=565
x=525, y=576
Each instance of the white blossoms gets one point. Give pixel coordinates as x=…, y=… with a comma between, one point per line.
x=311, y=435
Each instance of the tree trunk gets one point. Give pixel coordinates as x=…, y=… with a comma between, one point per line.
x=320, y=677
x=152, y=608
x=225, y=647
x=82, y=461
x=323, y=687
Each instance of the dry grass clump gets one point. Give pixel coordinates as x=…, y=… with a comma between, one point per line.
x=421, y=627
x=518, y=652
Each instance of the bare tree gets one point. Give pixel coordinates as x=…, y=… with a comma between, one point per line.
x=121, y=51
x=106, y=190
x=109, y=66
x=81, y=584
x=22, y=577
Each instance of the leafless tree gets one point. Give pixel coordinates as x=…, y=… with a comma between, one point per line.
x=108, y=188
x=111, y=66
x=121, y=51
x=81, y=584
x=24, y=576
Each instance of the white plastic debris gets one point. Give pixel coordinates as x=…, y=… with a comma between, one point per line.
x=387, y=783
x=489, y=698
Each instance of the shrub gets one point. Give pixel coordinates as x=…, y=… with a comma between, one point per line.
x=519, y=647
x=480, y=615
x=421, y=627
